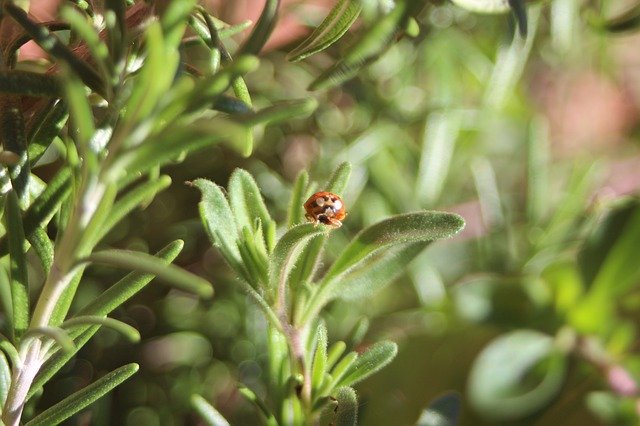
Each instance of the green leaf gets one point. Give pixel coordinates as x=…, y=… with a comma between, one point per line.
x=123, y=328
x=306, y=262
x=48, y=125
x=5, y=379
x=335, y=352
x=365, y=50
x=443, y=411
x=207, y=412
x=281, y=260
x=84, y=397
x=224, y=30
x=263, y=28
x=373, y=360
x=248, y=205
x=626, y=21
x=43, y=247
x=319, y=364
x=376, y=272
x=337, y=183
x=174, y=21
x=81, y=115
x=347, y=411
x=144, y=262
x=295, y=211
x=29, y=83
x=53, y=46
x=259, y=403
x=218, y=220
x=332, y=28
x=400, y=229
x=14, y=140
x=18, y=265
x=516, y=375
x=606, y=259
x=280, y=111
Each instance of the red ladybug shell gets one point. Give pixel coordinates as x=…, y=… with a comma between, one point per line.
x=325, y=207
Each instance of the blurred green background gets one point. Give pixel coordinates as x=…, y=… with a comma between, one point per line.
x=531, y=140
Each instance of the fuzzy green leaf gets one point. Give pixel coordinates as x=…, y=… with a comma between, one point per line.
x=281, y=258
x=295, y=211
x=248, y=205
x=496, y=386
x=306, y=261
x=332, y=28
x=400, y=229
x=43, y=247
x=337, y=183
x=207, y=412
x=319, y=365
x=444, y=411
x=123, y=328
x=218, y=221
x=347, y=411
x=18, y=265
x=370, y=362
x=144, y=262
x=84, y=397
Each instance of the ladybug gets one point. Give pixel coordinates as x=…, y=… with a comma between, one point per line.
x=325, y=207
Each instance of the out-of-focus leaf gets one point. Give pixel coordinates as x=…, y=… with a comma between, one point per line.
x=248, y=205
x=84, y=397
x=18, y=265
x=372, y=43
x=443, y=411
x=82, y=117
x=261, y=32
x=520, y=12
x=144, y=262
x=29, y=83
x=335, y=352
x=224, y=30
x=174, y=21
x=280, y=111
x=47, y=126
x=484, y=6
x=339, y=20
x=516, y=375
x=207, y=412
x=605, y=248
x=626, y=21
x=373, y=360
x=260, y=404
x=52, y=45
x=347, y=412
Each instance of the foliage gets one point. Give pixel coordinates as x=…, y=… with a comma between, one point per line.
x=406, y=106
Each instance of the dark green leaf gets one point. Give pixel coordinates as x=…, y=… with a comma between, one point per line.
x=347, y=412
x=14, y=140
x=444, y=411
x=28, y=83
x=52, y=45
x=144, y=262
x=43, y=247
x=332, y=28
x=370, y=362
x=262, y=30
x=47, y=126
x=280, y=111
x=520, y=12
x=18, y=265
x=497, y=388
x=84, y=397
x=207, y=412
